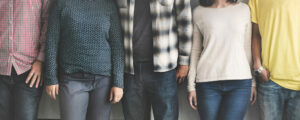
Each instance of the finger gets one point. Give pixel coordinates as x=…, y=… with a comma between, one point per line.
x=33, y=80
x=182, y=79
x=195, y=101
x=251, y=96
x=38, y=82
x=179, y=79
x=254, y=98
x=111, y=96
x=48, y=92
x=191, y=102
x=29, y=77
x=53, y=94
x=57, y=90
x=41, y=82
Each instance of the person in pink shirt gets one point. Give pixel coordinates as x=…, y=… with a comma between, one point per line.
x=22, y=41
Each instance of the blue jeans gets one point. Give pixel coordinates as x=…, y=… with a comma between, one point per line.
x=17, y=100
x=223, y=100
x=278, y=103
x=147, y=88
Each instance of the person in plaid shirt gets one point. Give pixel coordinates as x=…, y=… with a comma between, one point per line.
x=22, y=37
x=157, y=39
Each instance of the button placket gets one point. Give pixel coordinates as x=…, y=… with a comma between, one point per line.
x=11, y=26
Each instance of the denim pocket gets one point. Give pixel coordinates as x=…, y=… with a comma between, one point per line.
x=269, y=83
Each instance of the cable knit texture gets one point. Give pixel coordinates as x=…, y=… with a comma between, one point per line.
x=84, y=36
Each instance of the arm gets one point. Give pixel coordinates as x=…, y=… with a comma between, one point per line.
x=51, y=51
x=118, y=58
x=256, y=52
x=184, y=31
x=248, y=48
x=117, y=50
x=195, y=56
x=250, y=60
x=34, y=77
x=256, y=46
x=44, y=20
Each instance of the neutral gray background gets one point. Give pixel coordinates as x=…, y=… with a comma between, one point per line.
x=49, y=108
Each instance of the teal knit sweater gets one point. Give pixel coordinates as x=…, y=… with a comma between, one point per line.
x=84, y=36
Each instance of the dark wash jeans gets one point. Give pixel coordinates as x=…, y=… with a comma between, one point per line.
x=223, y=100
x=17, y=100
x=278, y=103
x=84, y=96
x=148, y=89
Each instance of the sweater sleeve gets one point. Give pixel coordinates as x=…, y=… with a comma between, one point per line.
x=52, y=40
x=184, y=30
x=195, y=56
x=117, y=50
x=247, y=47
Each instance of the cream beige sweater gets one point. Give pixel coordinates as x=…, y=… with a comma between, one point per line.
x=221, y=45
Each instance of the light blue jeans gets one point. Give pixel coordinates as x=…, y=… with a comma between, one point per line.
x=278, y=103
x=223, y=100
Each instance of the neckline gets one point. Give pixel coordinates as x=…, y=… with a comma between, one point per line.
x=229, y=6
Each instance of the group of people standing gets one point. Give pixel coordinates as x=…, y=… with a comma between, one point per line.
x=94, y=53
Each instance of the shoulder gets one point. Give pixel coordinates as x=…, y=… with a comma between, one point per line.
x=244, y=7
x=198, y=12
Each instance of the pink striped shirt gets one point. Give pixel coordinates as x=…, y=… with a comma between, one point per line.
x=23, y=25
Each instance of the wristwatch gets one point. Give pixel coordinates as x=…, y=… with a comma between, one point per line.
x=258, y=71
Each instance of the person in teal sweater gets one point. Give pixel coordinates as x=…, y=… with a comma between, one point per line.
x=84, y=61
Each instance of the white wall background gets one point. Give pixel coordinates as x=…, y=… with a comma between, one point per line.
x=49, y=108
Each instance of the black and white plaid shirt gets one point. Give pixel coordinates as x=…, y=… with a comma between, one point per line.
x=172, y=33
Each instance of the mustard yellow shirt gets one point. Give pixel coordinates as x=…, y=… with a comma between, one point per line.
x=279, y=25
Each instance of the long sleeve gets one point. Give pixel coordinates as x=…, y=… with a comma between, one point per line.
x=247, y=47
x=184, y=29
x=195, y=56
x=117, y=50
x=44, y=23
x=52, y=40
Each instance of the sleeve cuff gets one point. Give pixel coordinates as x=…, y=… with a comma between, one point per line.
x=118, y=81
x=191, y=88
x=184, y=60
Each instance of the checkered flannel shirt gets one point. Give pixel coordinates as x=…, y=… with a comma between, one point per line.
x=172, y=33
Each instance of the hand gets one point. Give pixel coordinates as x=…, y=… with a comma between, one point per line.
x=265, y=75
x=52, y=91
x=34, y=76
x=182, y=73
x=116, y=94
x=253, y=95
x=193, y=100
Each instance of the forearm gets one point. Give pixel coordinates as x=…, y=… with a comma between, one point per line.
x=256, y=47
x=52, y=43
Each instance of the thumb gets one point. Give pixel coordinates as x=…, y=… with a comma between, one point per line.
x=195, y=101
x=111, y=96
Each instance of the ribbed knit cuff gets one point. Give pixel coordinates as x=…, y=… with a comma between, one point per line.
x=118, y=81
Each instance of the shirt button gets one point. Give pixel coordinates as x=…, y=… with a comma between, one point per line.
x=10, y=22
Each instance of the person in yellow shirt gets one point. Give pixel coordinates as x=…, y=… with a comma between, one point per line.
x=276, y=54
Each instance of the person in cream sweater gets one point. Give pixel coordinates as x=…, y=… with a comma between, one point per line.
x=220, y=80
